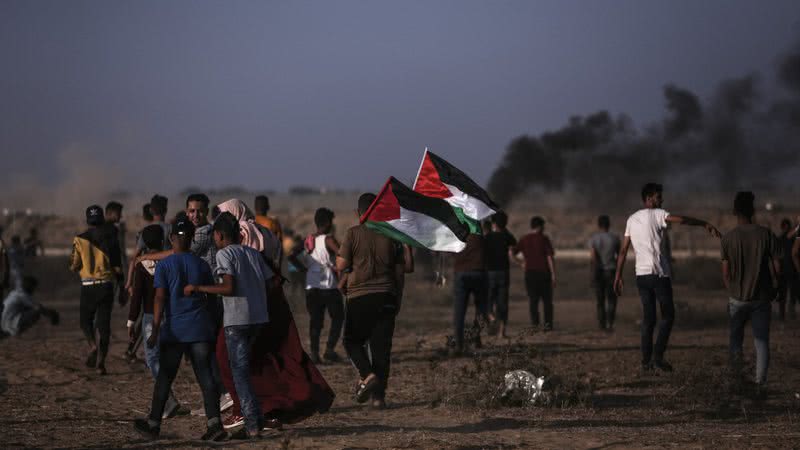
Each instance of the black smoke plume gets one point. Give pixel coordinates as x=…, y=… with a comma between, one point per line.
x=737, y=139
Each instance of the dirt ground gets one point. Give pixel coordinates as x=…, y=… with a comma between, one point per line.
x=600, y=398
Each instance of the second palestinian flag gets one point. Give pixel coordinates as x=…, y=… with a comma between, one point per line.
x=438, y=178
x=415, y=219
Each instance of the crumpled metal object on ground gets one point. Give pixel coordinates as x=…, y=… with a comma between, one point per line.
x=523, y=384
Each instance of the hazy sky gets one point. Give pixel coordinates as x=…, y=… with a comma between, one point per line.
x=268, y=95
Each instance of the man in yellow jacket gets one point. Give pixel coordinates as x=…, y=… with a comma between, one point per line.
x=96, y=257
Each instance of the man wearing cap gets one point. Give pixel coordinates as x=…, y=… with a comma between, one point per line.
x=96, y=257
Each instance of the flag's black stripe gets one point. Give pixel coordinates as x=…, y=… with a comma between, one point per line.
x=433, y=207
x=450, y=174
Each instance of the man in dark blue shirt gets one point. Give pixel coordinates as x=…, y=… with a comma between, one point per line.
x=183, y=324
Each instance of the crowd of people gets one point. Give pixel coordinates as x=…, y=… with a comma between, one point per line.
x=207, y=284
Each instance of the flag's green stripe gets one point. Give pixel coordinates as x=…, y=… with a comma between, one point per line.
x=392, y=233
x=474, y=226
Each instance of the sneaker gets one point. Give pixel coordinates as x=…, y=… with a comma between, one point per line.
x=225, y=402
x=233, y=421
x=364, y=389
x=662, y=365
x=243, y=434
x=176, y=410
x=129, y=358
x=271, y=425
x=331, y=356
x=215, y=434
x=143, y=427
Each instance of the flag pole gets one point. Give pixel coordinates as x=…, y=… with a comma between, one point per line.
x=424, y=154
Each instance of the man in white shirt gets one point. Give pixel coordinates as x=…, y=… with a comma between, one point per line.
x=645, y=229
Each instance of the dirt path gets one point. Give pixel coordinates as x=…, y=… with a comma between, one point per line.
x=51, y=400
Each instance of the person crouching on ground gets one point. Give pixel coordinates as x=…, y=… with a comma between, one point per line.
x=20, y=312
x=182, y=324
x=245, y=275
x=95, y=255
x=750, y=262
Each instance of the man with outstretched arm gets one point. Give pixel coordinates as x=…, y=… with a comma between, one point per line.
x=646, y=230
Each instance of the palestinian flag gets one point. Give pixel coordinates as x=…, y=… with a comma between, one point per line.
x=439, y=179
x=414, y=219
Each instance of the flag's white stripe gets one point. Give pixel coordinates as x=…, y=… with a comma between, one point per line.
x=472, y=207
x=427, y=231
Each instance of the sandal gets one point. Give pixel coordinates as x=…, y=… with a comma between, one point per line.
x=364, y=389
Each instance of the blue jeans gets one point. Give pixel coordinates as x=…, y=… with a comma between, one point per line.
x=759, y=314
x=655, y=289
x=498, y=293
x=467, y=283
x=151, y=357
x=240, y=339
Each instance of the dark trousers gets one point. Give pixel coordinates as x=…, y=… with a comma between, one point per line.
x=759, y=314
x=788, y=290
x=466, y=283
x=606, y=297
x=369, y=319
x=540, y=287
x=95, y=315
x=498, y=293
x=200, y=354
x=655, y=289
x=317, y=301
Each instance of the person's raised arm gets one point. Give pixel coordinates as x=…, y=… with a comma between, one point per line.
x=226, y=288
x=157, y=256
x=623, y=254
x=158, y=313
x=692, y=222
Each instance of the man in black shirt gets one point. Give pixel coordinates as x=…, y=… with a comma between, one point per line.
x=497, y=244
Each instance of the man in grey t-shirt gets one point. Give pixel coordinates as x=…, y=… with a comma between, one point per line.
x=604, y=248
x=750, y=261
x=243, y=289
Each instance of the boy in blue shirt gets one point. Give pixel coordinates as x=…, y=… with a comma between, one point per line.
x=182, y=324
x=244, y=274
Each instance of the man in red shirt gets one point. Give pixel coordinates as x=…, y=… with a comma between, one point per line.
x=540, y=271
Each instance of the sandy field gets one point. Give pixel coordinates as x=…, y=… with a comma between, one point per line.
x=599, y=397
